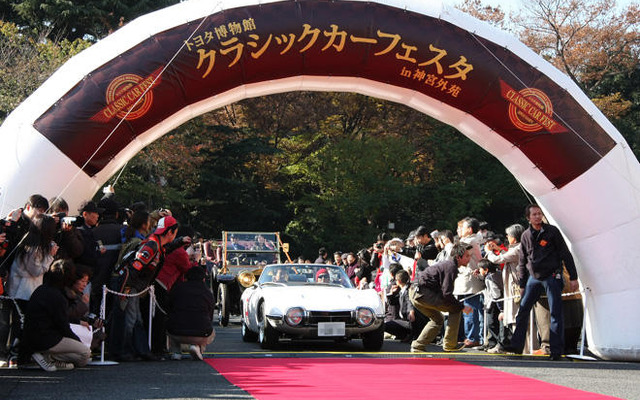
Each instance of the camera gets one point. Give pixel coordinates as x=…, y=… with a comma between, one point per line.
x=69, y=220
x=91, y=318
x=3, y=225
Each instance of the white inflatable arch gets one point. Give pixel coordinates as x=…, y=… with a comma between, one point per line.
x=107, y=103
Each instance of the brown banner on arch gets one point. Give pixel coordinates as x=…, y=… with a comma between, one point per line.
x=325, y=38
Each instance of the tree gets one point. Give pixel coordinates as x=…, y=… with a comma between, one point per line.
x=90, y=19
x=587, y=41
x=25, y=64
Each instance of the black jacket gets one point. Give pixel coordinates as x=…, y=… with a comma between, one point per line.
x=190, y=309
x=439, y=278
x=542, y=253
x=46, y=319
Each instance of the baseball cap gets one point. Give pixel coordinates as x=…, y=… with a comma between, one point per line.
x=165, y=223
x=109, y=205
x=321, y=271
x=90, y=206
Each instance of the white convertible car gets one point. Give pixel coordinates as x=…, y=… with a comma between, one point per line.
x=311, y=301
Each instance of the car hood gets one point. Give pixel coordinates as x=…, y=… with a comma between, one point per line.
x=319, y=298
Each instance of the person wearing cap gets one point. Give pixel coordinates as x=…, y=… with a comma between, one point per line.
x=108, y=234
x=323, y=276
x=141, y=272
x=90, y=214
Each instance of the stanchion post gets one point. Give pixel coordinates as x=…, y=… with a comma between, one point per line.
x=484, y=325
x=582, y=334
x=103, y=316
x=531, y=331
x=152, y=299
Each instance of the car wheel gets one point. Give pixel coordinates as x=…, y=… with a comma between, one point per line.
x=223, y=305
x=267, y=336
x=247, y=334
x=373, y=341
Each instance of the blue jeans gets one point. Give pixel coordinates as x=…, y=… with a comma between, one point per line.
x=532, y=292
x=473, y=321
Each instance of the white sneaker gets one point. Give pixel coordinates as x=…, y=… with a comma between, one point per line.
x=176, y=356
x=496, y=350
x=63, y=366
x=195, y=352
x=43, y=362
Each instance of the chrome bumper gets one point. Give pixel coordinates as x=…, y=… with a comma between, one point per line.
x=311, y=330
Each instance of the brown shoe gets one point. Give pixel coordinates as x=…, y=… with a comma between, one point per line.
x=470, y=343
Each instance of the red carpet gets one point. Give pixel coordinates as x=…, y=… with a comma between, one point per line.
x=368, y=378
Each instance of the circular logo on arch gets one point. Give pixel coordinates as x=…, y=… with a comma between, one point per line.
x=524, y=119
x=530, y=110
x=128, y=97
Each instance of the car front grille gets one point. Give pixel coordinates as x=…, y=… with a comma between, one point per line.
x=329, y=316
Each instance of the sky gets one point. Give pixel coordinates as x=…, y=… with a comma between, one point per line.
x=514, y=5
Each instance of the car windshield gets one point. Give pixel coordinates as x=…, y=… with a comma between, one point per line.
x=251, y=248
x=304, y=274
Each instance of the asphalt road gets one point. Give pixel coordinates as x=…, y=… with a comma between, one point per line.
x=189, y=379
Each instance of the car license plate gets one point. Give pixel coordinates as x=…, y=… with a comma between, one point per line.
x=330, y=328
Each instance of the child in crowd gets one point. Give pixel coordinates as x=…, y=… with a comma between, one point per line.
x=496, y=331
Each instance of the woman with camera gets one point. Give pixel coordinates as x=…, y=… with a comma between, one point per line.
x=83, y=323
x=33, y=258
x=47, y=335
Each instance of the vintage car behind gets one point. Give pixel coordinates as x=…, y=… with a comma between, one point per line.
x=244, y=254
x=310, y=301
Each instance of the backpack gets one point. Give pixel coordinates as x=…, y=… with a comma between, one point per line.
x=127, y=255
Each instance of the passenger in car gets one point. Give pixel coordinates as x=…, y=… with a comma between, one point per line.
x=323, y=276
x=281, y=275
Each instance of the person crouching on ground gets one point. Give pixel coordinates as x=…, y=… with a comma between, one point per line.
x=191, y=307
x=47, y=332
x=433, y=295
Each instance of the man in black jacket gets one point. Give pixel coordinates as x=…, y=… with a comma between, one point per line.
x=108, y=232
x=434, y=294
x=425, y=248
x=542, y=254
x=191, y=307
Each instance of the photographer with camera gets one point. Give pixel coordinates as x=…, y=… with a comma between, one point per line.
x=377, y=256
x=32, y=259
x=15, y=228
x=84, y=323
x=176, y=265
x=426, y=250
x=107, y=234
x=48, y=338
x=138, y=275
x=68, y=237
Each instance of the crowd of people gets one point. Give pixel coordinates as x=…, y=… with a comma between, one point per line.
x=467, y=276
x=474, y=289
x=54, y=267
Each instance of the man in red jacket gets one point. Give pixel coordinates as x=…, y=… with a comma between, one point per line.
x=139, y=275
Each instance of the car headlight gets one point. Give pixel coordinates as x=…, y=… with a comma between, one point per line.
x=246, y=278
x=294, y=316
x=364, y=316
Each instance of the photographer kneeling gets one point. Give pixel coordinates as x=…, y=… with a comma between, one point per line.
x=47, y=334
x=191, y=307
